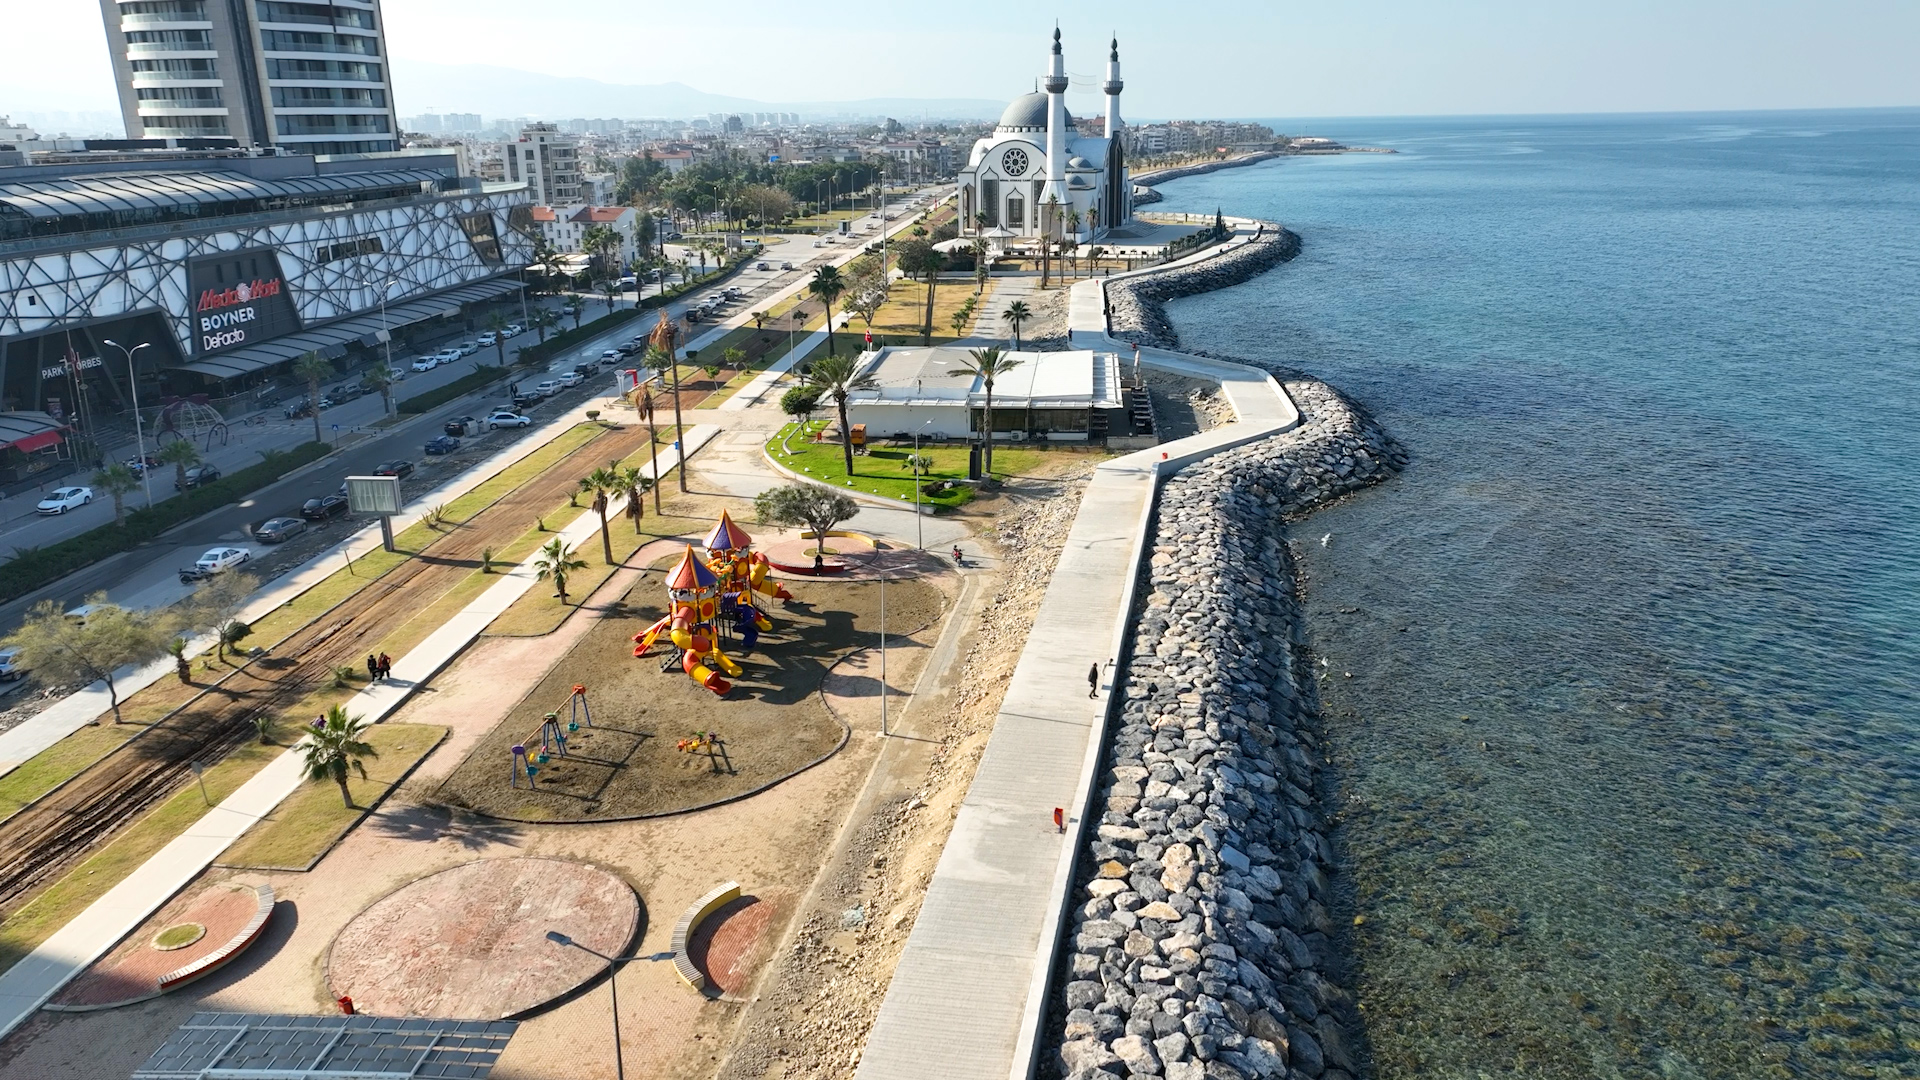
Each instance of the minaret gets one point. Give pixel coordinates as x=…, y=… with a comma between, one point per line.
x=1056, y=87
x=1113, y=87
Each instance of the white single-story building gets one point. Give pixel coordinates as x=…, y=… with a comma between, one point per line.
x=1059, y=396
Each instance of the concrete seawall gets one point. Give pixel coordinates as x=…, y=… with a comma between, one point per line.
x=1135, y=310
x=1161, y=176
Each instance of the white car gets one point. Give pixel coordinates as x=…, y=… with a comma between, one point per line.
x=448, y=355
x=220, y=559
x=569, y=378
x=513, y=329
x=507, y=419
x=466, y=348
x=10, y=668
x=61, y=500
x=426, y=363
x=609, y=355
x=488, y=339
x=547, y=388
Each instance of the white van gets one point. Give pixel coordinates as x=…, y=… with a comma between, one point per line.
x=10, y=668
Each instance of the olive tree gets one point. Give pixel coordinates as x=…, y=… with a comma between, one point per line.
x=84, y=651
x=807, y=506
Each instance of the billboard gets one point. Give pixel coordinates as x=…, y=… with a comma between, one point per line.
x=239, y=298
x=373, y=494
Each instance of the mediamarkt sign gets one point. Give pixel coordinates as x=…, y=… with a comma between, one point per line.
x=242, y=300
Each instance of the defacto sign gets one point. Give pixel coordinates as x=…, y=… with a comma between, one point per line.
x=240, y=298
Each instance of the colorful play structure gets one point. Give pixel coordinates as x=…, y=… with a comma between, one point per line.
x=552, y=738
x=707, y=595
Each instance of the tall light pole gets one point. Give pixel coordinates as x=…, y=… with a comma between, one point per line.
x=386, y=335
x=139, y=432
x=883, y=648
x=613, y=984
x=919, y=538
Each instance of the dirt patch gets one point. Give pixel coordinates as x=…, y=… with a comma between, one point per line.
x=1184, y=406
x=629, y=764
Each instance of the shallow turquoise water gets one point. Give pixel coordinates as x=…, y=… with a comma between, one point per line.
x=1622, y=672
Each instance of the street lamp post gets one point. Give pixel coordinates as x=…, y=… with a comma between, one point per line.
x=386, y=334
x=139, y=432
x=613, y=984
x=883, y=650
x=919, y=537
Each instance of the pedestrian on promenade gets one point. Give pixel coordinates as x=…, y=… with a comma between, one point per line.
x=373, y=668
x=1093, y=681
x=386, y=667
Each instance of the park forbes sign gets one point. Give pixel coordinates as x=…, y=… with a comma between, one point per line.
x=239, y=298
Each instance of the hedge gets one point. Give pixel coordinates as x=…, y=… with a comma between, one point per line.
x=480, y=376
x=34, y=567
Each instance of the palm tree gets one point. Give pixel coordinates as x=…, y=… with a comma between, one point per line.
x=634, y=485
x=600, y=243
x=316, y=369
x=643, y=401
x=602, y=483
x=497, y=323
x=837, y=377
x=611, y=290
x=542, y=321
x=1016, y=314
x=334, y=746
x=117, y=480
x=826, y=287
x=988, y=364
x=931, y=264
x=1073, y=230
x=382, y=378
x=662, y=360
x=180, y=454
x=982, y=266
x=554, y=561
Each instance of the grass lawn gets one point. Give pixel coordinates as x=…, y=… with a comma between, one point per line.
x=313, y=819
x=54, y=908
x=883, y=469
x=48, y=769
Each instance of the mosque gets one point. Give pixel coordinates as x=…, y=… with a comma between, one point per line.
x=1036, y=177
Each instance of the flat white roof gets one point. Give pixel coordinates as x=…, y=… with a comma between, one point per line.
x=1078, y=378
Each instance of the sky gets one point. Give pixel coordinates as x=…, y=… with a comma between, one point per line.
x=1198, y=59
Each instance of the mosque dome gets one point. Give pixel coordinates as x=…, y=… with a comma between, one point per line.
x=1028, y=112
x=1078, y=162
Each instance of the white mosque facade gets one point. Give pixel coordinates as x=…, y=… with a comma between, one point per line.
x=1035, y=177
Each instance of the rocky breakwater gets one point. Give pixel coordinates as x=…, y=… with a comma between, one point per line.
x=1134, y=304
x=1203, y=943
x=1161, y=176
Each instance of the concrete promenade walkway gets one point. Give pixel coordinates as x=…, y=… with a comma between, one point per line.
x=970, y=988
x=35, y=979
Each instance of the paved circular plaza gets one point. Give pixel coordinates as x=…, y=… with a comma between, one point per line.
x=470, y=943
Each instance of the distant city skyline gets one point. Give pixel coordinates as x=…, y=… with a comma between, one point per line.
x=1245, y=59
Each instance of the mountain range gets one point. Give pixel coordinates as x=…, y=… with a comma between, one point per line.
x=493, y=92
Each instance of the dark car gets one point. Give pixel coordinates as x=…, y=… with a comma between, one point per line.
x=588, y=368
x=324, y=507
x=199, y=476
x=397, y=467
x=525, y=398
x=459, y=426
x=628, y=349
x=279, y=530
x=439, y=444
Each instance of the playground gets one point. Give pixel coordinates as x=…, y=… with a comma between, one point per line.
x=660, y=733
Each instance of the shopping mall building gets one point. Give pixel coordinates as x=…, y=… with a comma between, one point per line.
x=228, y=264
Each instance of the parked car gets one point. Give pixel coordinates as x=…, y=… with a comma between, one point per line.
x=615, y=355
x=525, y=399
x=761, y=266
x=503, y=418
x=85, y=611
x=610, y=354
x=547, y=387
x=427, y=363
x=514, y=329
x=61, y=500
x=786, y=266
x=588, y=368
x=198, y=476
x=448, y=355
x=461, y=426
x=10, y=668
x=569, y=379
x=628, y=282
x=442, y=444
x=216, y=561
x=345, y=392
x=487, y=340
x=324, y=507
x=279, y=530
x=399, y=467
x=327, y=403
x=467, y=348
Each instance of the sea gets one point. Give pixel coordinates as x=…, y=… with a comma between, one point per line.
x=1621, y=677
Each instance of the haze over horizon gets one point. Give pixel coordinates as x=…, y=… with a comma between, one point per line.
x=1379, y=58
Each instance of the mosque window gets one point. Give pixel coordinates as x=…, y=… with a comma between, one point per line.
x=1016, y=211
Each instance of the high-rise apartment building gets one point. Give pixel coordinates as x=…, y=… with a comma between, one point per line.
x=547, y=162
x=310, y=77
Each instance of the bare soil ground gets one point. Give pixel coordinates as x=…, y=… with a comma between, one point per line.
x=1185, y=406
x=771, y=724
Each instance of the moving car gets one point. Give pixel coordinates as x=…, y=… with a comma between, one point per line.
x=442, y=444
x=61, y=500
x=324, y=507
x=761, y=266
x=399, y=467
x=215, y=561
x=279, y=530
x=198, y=476
x=503, y=418
x=786, y=266
x=427, y=363
x=10, y=668
x=461, y=426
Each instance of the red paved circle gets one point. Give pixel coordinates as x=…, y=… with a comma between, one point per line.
x=470, y=943
x=132, y=971
x=725, y=944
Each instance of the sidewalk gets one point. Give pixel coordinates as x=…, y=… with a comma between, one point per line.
x=990, y=924
x=30, y=983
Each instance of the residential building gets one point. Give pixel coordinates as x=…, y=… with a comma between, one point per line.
x=307, y=76
x=547, y=162
x=565, y=226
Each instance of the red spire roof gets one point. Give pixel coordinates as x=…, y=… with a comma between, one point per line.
x=691, y=573
x=726, y=536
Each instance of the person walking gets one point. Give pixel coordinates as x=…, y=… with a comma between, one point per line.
x=386, y=667
x=373, y=668
x=1093, y=681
